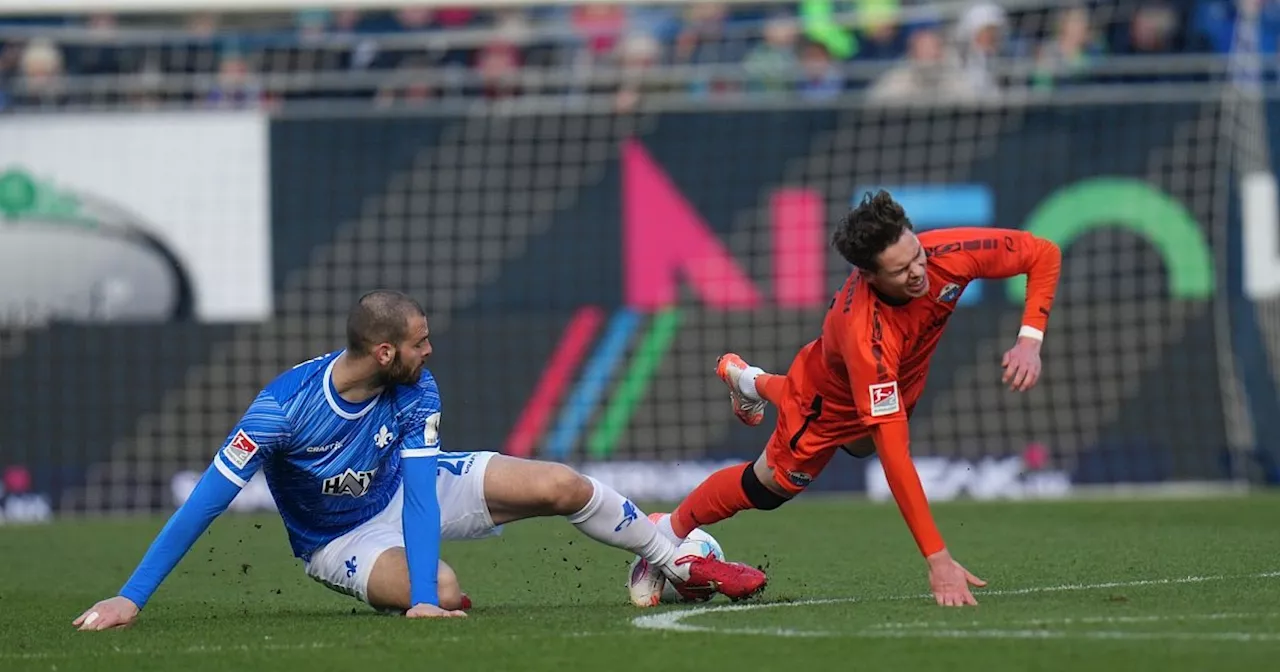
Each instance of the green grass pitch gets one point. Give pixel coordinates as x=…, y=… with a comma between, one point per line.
x=1134, y=586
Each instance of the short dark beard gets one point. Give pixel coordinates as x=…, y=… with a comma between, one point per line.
x=398, y=374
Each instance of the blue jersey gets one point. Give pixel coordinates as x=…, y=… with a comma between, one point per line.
x=330, y=464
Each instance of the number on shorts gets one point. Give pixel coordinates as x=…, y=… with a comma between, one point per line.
x=452, y=466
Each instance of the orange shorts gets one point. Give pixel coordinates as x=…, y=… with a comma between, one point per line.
x=807, y=436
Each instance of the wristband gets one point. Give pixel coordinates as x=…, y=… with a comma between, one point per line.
x=1031, y=332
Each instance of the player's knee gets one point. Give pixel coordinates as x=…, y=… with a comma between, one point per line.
x=388, y=583
x=760, y=496
x=564, y=491
x=448, y=589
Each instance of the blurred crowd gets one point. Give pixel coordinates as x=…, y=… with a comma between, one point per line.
x=815, y=49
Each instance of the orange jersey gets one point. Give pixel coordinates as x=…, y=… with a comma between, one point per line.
x=872, y=359
x=866, y=371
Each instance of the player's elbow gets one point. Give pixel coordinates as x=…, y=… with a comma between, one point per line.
x=1049, y=250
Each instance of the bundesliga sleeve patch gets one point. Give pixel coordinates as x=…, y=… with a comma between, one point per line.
x=884, y=399
x=240, y=450
x=431, y=435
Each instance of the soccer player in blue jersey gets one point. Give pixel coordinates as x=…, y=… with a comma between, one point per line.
x=349, y=443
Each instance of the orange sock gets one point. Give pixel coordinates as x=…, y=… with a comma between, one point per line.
x=717, y=498
x=770, y=387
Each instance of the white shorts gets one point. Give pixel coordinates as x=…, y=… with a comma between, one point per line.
x=345, y=563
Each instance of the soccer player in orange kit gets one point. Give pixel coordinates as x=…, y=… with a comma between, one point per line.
x=855, y=387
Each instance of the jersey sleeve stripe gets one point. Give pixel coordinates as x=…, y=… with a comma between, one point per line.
x=226, y=471
x=419, y=452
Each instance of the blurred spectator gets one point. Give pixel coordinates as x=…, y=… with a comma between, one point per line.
x=313, y=24
x=821, y=78
x=236, y=86
x=41, y=68
x=721, y=49
x=10, y=56
x=980, y=40
x=204, y=24
x=349, y=23
x=1218, y=23
x=599, y=27
x=98, y=55
x=661, y=21
x=1068, y=56
x=705, y=41
x=701, y=33
x=637, y=57
x=498, y=63
x=1152, y=30
x=880, y=35
x=498, y=66
x=145, y=90
x=346, y=21
x=455, y=17
x=413, y=19
x=408, y=86
x=818, y=18
x=928, y=75
x=771, y=67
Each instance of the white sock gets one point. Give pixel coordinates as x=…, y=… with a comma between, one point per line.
x=747, y=382
x=612, y=519
x=664, y=527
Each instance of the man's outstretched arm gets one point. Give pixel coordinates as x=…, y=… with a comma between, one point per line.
x=872, y=367
x=212, y=495
x=421, y=524
x=1004, y=253
x=892, y=440
x=419, y=453
x=947, y=578
x=262, y=426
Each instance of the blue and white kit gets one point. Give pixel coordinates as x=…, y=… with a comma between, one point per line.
x=349, y=481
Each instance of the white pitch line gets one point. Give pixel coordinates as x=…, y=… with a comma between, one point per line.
x=673, y=621
x=1101, y=586
x=1084, y=620
x=1067, y=634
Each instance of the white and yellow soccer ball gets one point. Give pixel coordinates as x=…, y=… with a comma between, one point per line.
x=650, y=589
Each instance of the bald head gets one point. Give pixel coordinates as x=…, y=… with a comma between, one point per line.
x=380, y=316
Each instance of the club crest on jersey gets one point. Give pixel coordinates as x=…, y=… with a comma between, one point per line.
x=950, y=292
x=354, y=483
x=240, y=449
x=884, y=399
x=799, y=478
x=384, y=437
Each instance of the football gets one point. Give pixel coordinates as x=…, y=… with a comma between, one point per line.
x=698, y=543
x=661, y=591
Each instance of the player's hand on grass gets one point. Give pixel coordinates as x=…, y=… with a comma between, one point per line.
x=432, y=611
x=1022, y=364
x=950, y=581
x=117, y=612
